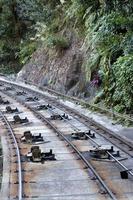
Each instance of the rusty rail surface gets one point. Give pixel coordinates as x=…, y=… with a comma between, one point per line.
x=18, y=155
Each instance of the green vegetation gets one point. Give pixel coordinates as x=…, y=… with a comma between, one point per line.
x=106, y=26
x=26, y=50
x=108, y=34
x=17, y=19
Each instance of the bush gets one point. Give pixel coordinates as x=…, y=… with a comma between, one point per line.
x=123, y=77
x=26, y=50
x=7, y=69
x=58, y=42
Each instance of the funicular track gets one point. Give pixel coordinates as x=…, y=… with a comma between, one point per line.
x=117, y=140
x=84, y=120
x=22, y=183
x=96, y=107
x=19, y=166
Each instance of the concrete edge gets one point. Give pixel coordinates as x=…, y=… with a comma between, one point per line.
x=4, y=193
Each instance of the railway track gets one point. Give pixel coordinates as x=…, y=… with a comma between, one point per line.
x=127, y=145
x=67, y=160
x=67, y=164
x=87, y=104
x=11, y=134
x=93, y=106
x=100, y=109
x=63, y=128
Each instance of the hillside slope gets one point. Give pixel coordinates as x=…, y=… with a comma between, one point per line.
x=77, y=45
x=58, y=69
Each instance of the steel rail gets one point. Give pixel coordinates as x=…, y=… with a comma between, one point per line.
x=123, y=166
x=40, y=116
x=97, y=145
x=127, y=142
x=75, y=128
x=80, y=154
x=83, y=117
x=77, y=151
x=18, y=156
x=120, y=164
x=92, y=121
x=81, y=101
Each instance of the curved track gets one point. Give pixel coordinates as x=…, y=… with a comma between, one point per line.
x=80, y=118
x=33, y=173
x=19, y=167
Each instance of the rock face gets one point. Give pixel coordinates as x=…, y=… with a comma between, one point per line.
x=60, y=70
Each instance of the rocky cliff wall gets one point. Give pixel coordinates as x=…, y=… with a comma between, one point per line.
x=59, y=69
